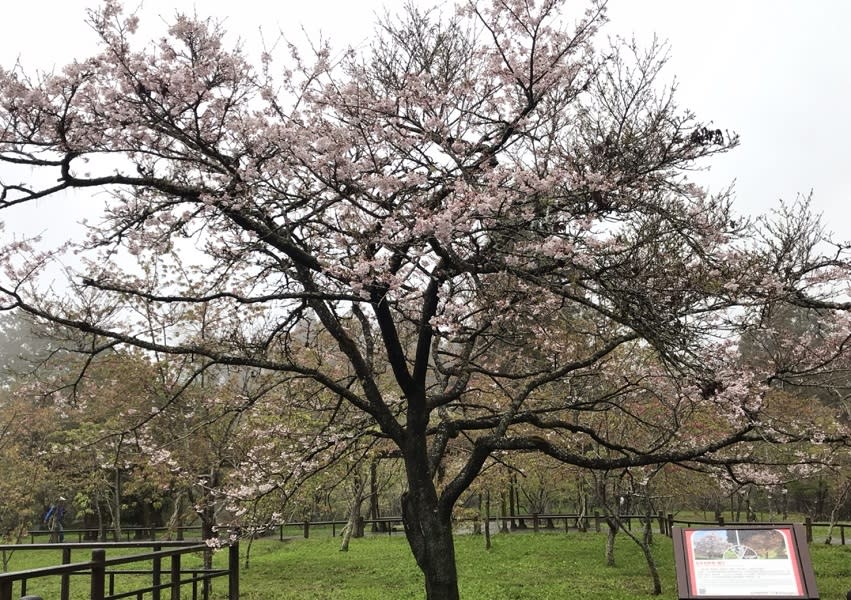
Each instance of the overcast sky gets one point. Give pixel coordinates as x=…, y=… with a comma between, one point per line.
x=778, y=72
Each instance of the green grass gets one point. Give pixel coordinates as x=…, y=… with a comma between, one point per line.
x=520, y=566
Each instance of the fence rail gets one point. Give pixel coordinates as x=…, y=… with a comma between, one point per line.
x=102, y=571
x=130, y=532
x=809, y=526
x=390, y=525
x=663, y=523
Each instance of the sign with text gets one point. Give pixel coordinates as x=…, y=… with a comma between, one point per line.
x=743, y=562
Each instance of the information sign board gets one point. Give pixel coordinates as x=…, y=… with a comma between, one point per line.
x=751, y=561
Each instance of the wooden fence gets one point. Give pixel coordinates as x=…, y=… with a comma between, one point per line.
x=809, y=526
x=536, y=522
x=533, y=522
x=128, y=533
x=391, y=525
x=102, y=571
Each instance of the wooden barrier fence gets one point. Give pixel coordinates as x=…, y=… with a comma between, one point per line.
x=129, y=533
x=102, y=571
x=809, y=525
x=664, y=524
x=538, y=522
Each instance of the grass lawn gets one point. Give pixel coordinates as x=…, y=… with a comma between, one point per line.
x=520, y=566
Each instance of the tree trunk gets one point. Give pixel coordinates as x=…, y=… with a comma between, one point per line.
x=429, y=534
x=488, y=520
x=147, y=530
x=503, y=513
x=521, y=523
x=512, y=510
x=374, y=508
x=581, y=505
x=428, y=528
x=646, y=549
x=477, y=518
x=610, y=541
x=840, y=500
x=101, y=525
x=175, y=521
x=116, y=515
x=354, y=526
x=645, y=543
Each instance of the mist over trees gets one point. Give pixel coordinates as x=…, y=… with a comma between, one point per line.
x=475, y=237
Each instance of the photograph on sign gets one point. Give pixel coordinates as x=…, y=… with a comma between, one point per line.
x=743, y=562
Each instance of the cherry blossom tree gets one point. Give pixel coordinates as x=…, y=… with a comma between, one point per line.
x=477, y=235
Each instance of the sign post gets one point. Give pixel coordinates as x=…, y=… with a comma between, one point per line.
x=742, y=562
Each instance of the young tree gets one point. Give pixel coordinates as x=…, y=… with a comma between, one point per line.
x=484, y=208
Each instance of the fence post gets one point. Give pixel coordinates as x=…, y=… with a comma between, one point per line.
x=6, y=589
x=306, y=529
x=233, y=571
x=98, y=573
x=65, y=585
x=175, y=577
x=842, y=534
x=597, y=521
x=670, y=531
x=808, y=525
x=156, y=575
x=535, y=522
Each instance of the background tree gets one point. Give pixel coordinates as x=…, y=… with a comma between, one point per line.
x=420, y=212
x=25, y=477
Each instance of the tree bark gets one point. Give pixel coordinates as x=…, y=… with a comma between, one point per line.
x=101, y=525
x=374, y=508
x=175, y=522
x=647, y=550
x=354, y=525
x=503, y=513
x=840, y=501
x=488, y=520
x=428, y=528
x=116, y=515
x=429, y=534
x=512, y=510
x=477, y=519
x=612, y=531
